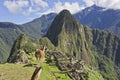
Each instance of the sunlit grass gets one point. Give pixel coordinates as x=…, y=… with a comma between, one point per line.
x=15, y=72
x=19, y=72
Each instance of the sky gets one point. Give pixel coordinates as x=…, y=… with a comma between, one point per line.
x=22, y=11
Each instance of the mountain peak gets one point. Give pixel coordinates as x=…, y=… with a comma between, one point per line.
x=92, y=8
x=63, y=22
x=65, y=12
x=95, y=7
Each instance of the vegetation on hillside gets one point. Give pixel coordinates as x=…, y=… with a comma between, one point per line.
x=10, y=31
x=3, y=51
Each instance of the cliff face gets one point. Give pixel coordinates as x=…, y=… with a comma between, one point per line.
x=107, y=44
x=104, y=43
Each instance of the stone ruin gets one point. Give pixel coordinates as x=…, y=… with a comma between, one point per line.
x=74, y=68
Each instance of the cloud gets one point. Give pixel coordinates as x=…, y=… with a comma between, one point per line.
x=88, y=2
x=39, y=3
x=15, y=6
x=113, y=4
x=26, y=7
x=58, y=6
x=74, y=7
x=29, y=11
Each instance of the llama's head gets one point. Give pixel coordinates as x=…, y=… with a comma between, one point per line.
x=44, y=48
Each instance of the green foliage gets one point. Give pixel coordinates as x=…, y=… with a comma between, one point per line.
x=105, y=66
x=7, y=37
x=3, y=52
x=22, y=44
x=93, y=74
x=46, y=42
x=31, y=58
x=28, y=48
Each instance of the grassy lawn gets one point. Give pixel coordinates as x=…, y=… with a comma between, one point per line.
x=19, y=72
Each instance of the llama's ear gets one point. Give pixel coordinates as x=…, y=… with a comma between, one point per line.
x=44, y=48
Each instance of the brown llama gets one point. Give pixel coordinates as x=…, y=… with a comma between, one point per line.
x=40, y=54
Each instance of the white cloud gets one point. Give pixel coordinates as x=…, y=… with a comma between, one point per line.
x=15, y=6
x=58, y=6
x=75, y=6
x=29, y=11
x=26, y=7
x=88, y=2
x=39, y=3
x=72, y=7
x=114, y=4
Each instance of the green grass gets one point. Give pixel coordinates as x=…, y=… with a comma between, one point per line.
x=47, y=75
x=15, y=72
x=19, y=72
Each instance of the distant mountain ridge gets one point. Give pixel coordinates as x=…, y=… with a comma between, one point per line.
x=101, y=18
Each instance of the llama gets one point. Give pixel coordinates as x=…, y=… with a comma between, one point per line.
x=40, y=54
x=36, y=73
